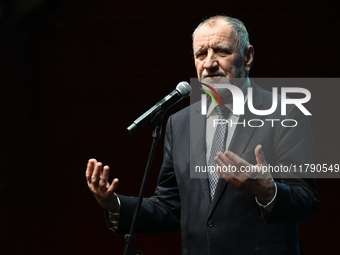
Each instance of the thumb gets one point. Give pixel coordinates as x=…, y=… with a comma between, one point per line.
x=260, y=156
x=113, y=186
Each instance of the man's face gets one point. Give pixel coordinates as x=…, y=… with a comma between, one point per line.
x=217, y=57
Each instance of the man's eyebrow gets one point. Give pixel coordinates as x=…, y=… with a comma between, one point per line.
x=223, y=47
x=217, y=47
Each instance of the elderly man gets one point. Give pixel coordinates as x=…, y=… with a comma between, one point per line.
x=243, y=212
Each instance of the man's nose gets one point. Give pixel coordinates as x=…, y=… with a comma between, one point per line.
x=211, y=62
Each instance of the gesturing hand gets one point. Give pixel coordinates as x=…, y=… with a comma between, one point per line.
x=256, y=182
x=97, y=180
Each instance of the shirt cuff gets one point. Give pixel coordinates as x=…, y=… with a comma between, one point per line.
x=114, y=217
x=269, y=206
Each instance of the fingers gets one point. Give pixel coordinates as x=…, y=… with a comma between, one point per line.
x=103, y=175
x=90, y=168
x=97, y=176
x=236, y=168
x=230, y=158
x=223, y=161
x=104, y=178
x=260, y=159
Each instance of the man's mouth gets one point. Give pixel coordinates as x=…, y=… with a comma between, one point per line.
x=213, y=76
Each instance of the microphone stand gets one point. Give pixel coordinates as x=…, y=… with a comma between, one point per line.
x=129, y=238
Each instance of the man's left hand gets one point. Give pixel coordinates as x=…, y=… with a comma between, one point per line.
x=254, y=180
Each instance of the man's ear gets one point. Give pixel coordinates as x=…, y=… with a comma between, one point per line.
x=249, y=58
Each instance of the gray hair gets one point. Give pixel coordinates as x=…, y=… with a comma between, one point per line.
x=236, y=24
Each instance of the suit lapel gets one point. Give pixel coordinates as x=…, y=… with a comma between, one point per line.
x=198, y=145
x=242, y=134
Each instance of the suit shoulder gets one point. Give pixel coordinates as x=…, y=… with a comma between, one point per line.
x=185, y=112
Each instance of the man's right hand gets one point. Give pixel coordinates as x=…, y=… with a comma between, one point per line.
x=97, y=180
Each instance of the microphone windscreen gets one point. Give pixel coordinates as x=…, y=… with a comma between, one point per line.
x=184, y=88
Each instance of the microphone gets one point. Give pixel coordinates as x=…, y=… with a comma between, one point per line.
x=151, y=117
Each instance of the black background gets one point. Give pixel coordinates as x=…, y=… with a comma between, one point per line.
x=75, y=74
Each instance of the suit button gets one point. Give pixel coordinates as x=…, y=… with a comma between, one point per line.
x=210, y=223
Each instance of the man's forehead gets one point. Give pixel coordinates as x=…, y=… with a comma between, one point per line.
x=216, y=34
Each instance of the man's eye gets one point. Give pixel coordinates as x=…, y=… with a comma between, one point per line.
x=200, y=55
x=224, y=52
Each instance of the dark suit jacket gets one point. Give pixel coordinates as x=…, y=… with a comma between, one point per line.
x=231, y=223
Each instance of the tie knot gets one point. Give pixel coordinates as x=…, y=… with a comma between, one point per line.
x=223, y=111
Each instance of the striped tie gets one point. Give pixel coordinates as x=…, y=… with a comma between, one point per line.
x=218, y=144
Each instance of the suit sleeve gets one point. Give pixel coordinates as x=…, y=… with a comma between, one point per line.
x=297, y=197
x=159, y=214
